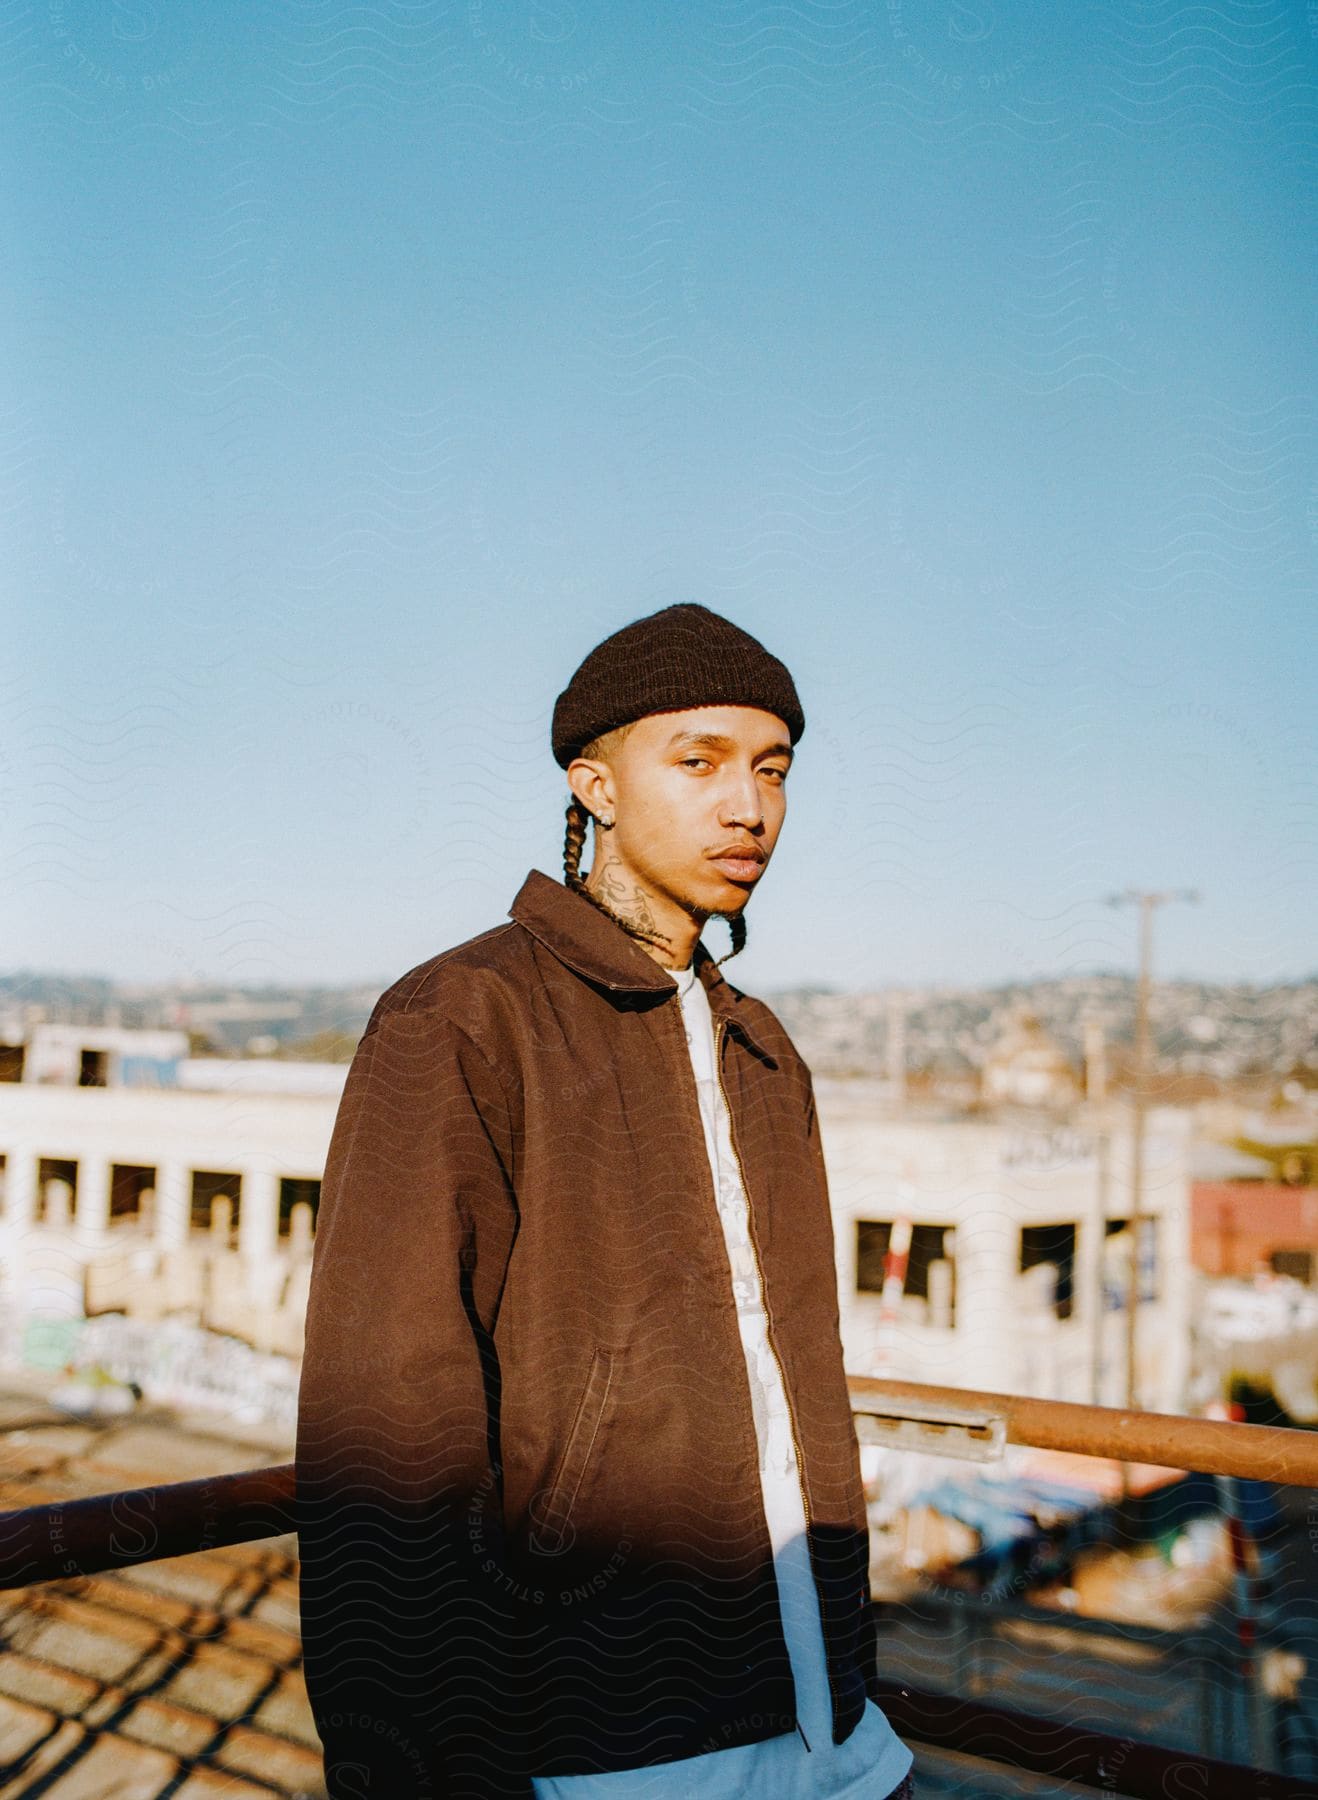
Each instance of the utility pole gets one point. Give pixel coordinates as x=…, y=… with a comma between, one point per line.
x=1098, y=1297
x=1146, y=902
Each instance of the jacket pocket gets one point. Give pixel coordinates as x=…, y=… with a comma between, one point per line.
x=552, y=1532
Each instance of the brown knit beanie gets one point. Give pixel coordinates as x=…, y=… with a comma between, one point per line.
x=678, y=657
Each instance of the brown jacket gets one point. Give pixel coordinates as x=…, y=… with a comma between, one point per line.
x=531, y=1525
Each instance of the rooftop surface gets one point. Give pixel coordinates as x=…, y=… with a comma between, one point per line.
x=180, y=1677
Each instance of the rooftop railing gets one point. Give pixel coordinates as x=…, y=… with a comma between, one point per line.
x=65, y=1539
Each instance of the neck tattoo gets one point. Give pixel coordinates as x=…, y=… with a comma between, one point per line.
x=629, y=901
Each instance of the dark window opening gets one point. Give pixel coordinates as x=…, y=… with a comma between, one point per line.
x=1052, y=1244
x=207, y=1186
x=292, y=1190
x=926, y=1248
x=56, y=1168
x=11, y=1061
x=128, y=1182
x=872, y=1237
x=93, y=1068
x=1148, y=1251
x=1298, y=1263
x=928, y=1245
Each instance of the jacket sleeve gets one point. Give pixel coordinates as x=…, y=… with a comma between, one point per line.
x=399, y=1504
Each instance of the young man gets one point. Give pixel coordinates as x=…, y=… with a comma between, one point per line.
x=579, y=1495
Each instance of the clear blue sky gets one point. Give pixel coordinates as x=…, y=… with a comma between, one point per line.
x=368, y=364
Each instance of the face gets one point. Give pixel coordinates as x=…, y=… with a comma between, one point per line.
x=689, y=791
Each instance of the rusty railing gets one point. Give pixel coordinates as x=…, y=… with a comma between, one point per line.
x=61, y=1540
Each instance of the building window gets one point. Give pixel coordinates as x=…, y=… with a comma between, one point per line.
x=128, y=1182
x=11, y=1061
x=1052, y=1244
x=1148, y=1287
x=93, y=1068
x=51, y=1169
x=1298, y=1263
x=929, y=1244
x=292, y=1189
x=207, y=1185
x=872, y=1237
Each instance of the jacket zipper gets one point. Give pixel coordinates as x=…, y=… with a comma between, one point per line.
x=720, y=1027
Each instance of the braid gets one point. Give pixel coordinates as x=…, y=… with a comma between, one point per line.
x=574, y=842
x=737, y=926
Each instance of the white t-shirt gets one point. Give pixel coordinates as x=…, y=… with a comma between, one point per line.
x=874, y=1760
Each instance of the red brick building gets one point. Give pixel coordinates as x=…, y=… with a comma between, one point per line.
x=1240, y=1227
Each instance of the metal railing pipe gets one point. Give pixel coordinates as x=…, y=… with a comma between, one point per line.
x=60, y=1539
x=1172, y=1440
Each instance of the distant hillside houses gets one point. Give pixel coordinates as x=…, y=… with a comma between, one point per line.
x=1211, y=1036
x=1217, y=1035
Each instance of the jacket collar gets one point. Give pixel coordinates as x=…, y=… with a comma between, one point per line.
x=588, y=941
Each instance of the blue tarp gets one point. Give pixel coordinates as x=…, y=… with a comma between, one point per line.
x=1016, y=1549
x=148, y=1071
x=1003, y=1511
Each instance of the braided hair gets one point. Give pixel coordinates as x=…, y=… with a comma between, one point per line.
x=574, y=843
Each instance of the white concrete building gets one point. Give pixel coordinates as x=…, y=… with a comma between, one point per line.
x=1016, y=1270
x=96, y=1056
x=128, y=1184
x=179, y=1199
